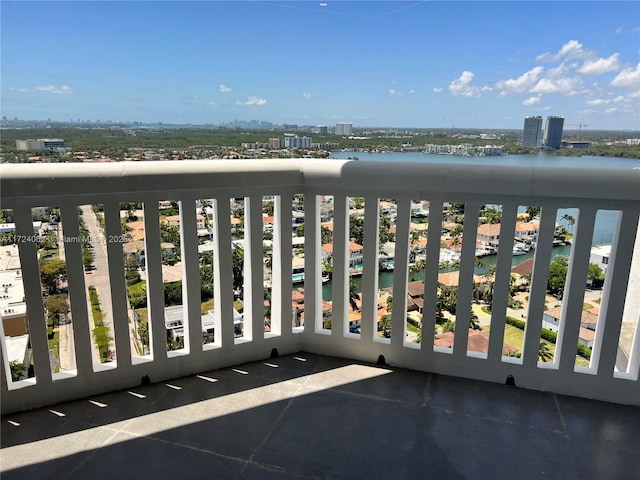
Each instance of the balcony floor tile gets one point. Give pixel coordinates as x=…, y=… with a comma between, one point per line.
x=312, y=416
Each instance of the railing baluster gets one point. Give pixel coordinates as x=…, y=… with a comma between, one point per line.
x=401, y=258
x=115, y=256
x=190, y=276
x=33, y=293
x=369, y=328
x=281, y=309
x=538, y=291
x=82, y=334
x=573, y=298
x=340, y=278
x=465, y=286
x=155, y=287
x=502, y=282
x=432, y=269
x=605, y=348
x=253, y=270
x=223, y=277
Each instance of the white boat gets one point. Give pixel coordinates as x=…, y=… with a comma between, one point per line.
x=519, y=250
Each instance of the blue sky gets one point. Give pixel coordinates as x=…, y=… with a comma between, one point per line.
x=396, y=64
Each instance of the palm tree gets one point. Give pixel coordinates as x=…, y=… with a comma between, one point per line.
x=570, y=219
x=474, y=324
x=545, y=354
x=353, y=295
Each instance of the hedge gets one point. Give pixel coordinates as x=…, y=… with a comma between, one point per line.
x=550, y=336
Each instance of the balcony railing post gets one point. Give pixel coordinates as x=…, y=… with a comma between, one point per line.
x=369, y=328
x=281, y=281
x=606, y=342
x=573, y=297
x=432, y=268
x=223, y=273
x=119, y=301
x=401, y=259
x=190, y=276
x=340, y=277
x=538, y=291
x=312, y=288
x=33, y=293
x=465, y=286
x=155, y=286
x=253, y=268
x=502, y=282
x=76, y=286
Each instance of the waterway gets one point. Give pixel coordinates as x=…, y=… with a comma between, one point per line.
x=605, y=219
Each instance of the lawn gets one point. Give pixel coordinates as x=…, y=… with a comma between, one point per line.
x=514, y=337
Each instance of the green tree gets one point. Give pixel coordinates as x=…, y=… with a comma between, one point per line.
x=356, y=229
x=52, y=272
x=595, y=275
x=384, y=326
x=237, y=258
x=532, y=211
x=570, y=219
x=557, y=276
x=353, y=296
x=545, y=354
x=18, y=370
x=57, y=305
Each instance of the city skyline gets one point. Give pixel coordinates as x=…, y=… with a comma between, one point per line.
x=386, y=64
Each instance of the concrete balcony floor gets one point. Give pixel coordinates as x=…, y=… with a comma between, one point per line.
x=311, y=416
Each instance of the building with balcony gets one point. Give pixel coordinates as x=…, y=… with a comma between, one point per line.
x=239, y=406
x=344, y=128
x=297, y=142
x=532, y=132
x=553, y=132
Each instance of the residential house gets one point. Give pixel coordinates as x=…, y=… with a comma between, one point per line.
x=355, y=253
x=489, y=234
x=600, y=256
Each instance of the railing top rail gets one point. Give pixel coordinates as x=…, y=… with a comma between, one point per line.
x=42, y=180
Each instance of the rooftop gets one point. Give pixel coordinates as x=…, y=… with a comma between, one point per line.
x=312, y=416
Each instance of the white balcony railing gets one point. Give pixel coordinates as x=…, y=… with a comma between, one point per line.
x=70, y=186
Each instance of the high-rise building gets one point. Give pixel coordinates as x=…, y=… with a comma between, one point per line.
x=532, y=132
x=323, y=130
x=297, y=142
x=553, y=132
x=344, y=128
x=275, y=143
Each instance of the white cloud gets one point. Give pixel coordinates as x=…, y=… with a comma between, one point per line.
x=558, y=80
x=618, y=30
x=521, y=84
x=412, y=91
x=392, y=92
x=598, y=101
x=532, y=100
x=601, y=65
x=64, y=89
x=252, y=101
x=629, y=77
x=462, y=86
x=306, y=95
x=571, y=49
x=438, y=90
x=224, y=89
